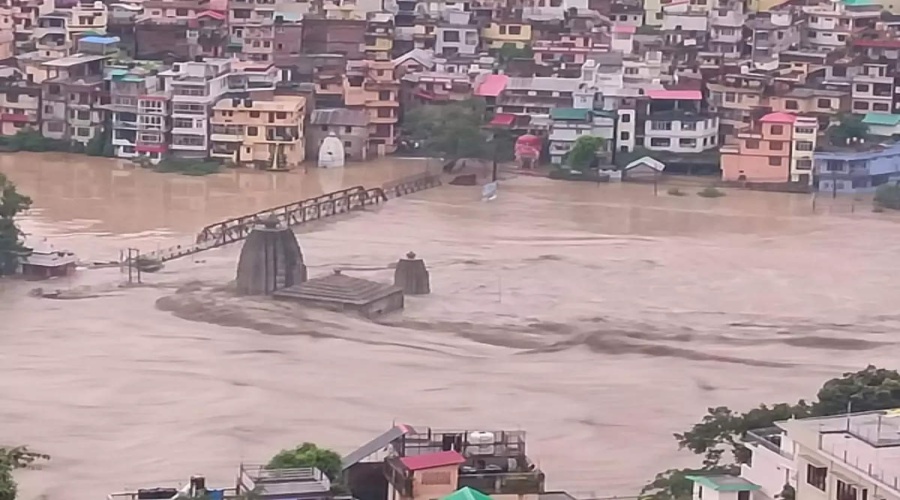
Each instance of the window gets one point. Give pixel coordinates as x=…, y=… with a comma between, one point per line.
x=791, y=104
x=55, y=127
x=324, y=128
x=688, y=125
x=190, y=91
x=515, y=30
x=254, y=114
x=811, y=34
x=776, y=146
x=626, y=118
x=188, y=140
x=624, y=136
x=751, y=144
x=842, y=38
x=502, y=30
x=823, y=103
x=861, y=105
x=385, y=113
x=181, y=12
x=660, y=142
x=48, y=109
x=451, y=36
x=804, y=146
x=687, y=143
x=83, y=132
x=881, y=106
x=11, y=97
x=631, y=71
x=774, y=161
x=862, y=87
x=348, y=129
x=817, y=476
x=281, y=115
x=182, y=123
x=730, y=97
x=436, y=477
x=805, y=130
x=252, y=131
x=777, y=129
x=384, y=95
x=831, y=166
x=839, y=71
x=348, y=144
x=804, y=164
x=660, y=125
x=743, y=495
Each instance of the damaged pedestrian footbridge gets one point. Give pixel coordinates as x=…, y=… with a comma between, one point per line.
x=294, y=214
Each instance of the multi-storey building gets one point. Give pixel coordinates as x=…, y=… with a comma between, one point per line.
x=502, y=32
x=456, y=35
x=726, y=24
x=433, y=87
x=565, y=57
x=568, y=124
x=736, y=96
x=678, y=121
x=23, y=17
x=52, y=38
x=20, y=101
x=874, y=88
x=830, y=25
x=778, y=149
x=772, y=33
x=72, y=98
x=379, y=38
x=267, y=134
x=334, y=36
x=142, y=110
x=195, y=87
x=89, y=17
x=372, y=87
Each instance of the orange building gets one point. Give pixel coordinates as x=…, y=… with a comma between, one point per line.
x=763, y=153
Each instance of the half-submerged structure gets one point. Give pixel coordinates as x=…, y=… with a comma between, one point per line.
x=411, y=276
x=339, y=292
x=270, y=260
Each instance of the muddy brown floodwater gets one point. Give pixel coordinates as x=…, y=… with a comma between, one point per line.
x=601, y=319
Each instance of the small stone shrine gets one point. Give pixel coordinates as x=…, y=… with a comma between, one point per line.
x=411, y=276
x=339, y=292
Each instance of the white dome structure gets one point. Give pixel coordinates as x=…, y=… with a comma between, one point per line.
x=331, y=152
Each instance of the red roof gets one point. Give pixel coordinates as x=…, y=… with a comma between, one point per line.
x=778, y=118
x=492, y=86
x=623, y=28
x=681, y=95
x=432, y=460
x=213, y=14
x=504, y=119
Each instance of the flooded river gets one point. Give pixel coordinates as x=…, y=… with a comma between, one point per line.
x=601, y=319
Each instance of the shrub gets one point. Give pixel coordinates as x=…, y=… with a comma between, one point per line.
x=888, y=196
x=710, y=192
x=188, y=167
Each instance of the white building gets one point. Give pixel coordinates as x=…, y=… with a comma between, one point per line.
x=568, y=124
x=848, y=457
x=677, y=121
x=195, y=88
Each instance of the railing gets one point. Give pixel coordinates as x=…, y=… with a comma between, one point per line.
x=294, y=214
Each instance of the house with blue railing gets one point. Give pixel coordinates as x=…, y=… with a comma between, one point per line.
x=859, y=168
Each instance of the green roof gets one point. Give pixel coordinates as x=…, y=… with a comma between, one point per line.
x=467, y=493
x=881, y=119
x=724, y=483
x=570, y=114
x=855, y=3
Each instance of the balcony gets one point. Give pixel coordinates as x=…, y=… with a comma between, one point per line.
x=282, y=134
x=510, y=483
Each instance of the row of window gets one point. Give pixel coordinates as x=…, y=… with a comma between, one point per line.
x=779, y=145
x=664, y=142
x=656, y=125
x=817, y=477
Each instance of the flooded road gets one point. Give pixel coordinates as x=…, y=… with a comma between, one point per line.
x=601, y=319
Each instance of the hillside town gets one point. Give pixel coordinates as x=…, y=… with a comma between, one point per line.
x=803, y=94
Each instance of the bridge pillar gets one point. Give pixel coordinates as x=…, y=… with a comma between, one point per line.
x=270, y=260
x=412, y=276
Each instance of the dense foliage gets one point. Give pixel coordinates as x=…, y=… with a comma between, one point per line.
x=11, y=204
x=583, y=154
x=718, y=437
x=888, y=196
x=10, y=460
x=309, y=455
x=452, y=131
x=849, y=130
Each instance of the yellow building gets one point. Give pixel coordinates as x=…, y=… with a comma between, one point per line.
x=500, y=33
x=267, y=134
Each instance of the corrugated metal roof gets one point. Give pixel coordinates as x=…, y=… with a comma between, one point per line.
x=570, y=114
x=778, y=118
x=375, y=445
x=881, y=119
x=432, y=460
x=683, y=95
x=339, y=116
x=545, y=83
x=492, y=86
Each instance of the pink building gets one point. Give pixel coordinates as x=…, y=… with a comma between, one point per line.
x=763, y=154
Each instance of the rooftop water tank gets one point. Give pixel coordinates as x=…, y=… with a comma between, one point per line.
x=480, y=443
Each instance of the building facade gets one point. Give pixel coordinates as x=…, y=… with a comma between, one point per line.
x=263, y=134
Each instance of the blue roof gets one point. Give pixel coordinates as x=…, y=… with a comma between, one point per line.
x=102, y=40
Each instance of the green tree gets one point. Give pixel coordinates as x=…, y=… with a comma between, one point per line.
x=850, y=129
x=452, y=131
x=584, y=152
x=718, y=436
x=11, y=459
x=309, y=455
x=510, y=51
x=11, y=204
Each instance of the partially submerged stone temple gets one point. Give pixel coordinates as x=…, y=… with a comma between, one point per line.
x=271, y=259
x=412, y=276
x=340, y=292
